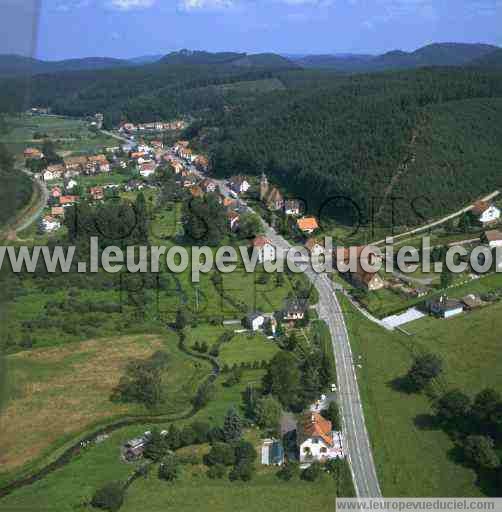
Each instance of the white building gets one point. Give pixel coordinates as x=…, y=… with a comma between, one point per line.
x=316, y=439
x=266, y=251
x=315, y=247
x=50, y=224
x=494, y=238
x=255, y=321
x=486, y=213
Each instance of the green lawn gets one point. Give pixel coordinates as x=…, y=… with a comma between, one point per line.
x=248, y=348
x=412, y=458
x=195, y=491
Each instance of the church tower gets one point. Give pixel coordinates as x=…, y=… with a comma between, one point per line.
x=263, y=187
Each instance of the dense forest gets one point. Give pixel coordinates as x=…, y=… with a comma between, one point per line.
x=401, y=146
x=372, y=138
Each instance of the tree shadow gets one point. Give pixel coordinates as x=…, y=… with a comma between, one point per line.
x=426, y=422
x=402, y=385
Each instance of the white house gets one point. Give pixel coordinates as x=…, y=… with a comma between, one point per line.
x=239, y=184
x=316, y=439
x=71, y=184
x=314, y=247
x=147, y=169
x=265, y=249
x=494, y=238
x=50, y=224
x=292, y=207
x=255, y=321
x=486, y=213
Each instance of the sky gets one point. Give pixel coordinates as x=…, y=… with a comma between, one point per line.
x=60, y=29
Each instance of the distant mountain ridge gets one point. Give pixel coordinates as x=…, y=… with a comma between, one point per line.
x=244, y=60
x=15, y=65
x=18, y=65
x=436, y=54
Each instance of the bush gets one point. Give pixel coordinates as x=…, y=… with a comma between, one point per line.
x=109, y=497
x=157, y=446
x=312, y=473
x=201, y=431
x=217, y=471
x=243, y=471
x=170, y=468
x=220, y=453
x=288, y=471
x=244, y=452
x=332, y=414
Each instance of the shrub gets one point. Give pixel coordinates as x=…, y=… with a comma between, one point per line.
x=109, y=497
x=288, y=471
x=217, y=471
x=220, y=453
x=170, y=468
x=312, y=473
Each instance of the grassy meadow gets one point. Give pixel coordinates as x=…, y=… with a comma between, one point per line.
x=414, y=458
x=57, y=392
x=71, y=136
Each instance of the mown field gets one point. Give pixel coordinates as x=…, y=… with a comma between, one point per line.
x=414, y=458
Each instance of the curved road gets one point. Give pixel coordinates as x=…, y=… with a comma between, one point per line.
x=26, y=218
x=357, y=443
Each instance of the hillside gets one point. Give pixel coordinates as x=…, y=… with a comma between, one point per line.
x=15, y=65
x=438, y=54
x=243, y=60
x=352, y=138
x=489, y=60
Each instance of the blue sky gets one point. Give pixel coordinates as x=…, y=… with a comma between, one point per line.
x=128, y=28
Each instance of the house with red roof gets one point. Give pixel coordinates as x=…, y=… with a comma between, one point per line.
x=265, y=249
x=316, y=439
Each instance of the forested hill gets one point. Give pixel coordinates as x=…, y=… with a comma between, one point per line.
x=353, y=139
x=318, y=133
x=18, y=65
x=490, y=60
x=259, y=60
x=437, y=54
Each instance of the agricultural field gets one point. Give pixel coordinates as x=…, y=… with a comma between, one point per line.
x=71, y=136
x=413, y=457
x=54, y=393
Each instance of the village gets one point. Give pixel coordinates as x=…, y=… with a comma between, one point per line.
x=141, y=155
x=314, y=435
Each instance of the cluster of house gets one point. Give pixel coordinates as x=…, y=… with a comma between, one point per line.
x=273, y=199
x=156, y=126
x=294, y=310
x=75, y=166
x=61, y=197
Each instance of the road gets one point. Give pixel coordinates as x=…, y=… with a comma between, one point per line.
x=357, y=444
x=26, y=218
x=438, y=222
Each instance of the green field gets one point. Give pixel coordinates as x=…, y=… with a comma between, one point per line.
x=71, y=136
x=248, y=348
x=413, y=458
x=38, y=413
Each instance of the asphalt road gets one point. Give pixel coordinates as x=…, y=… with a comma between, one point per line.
x=357, y=444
